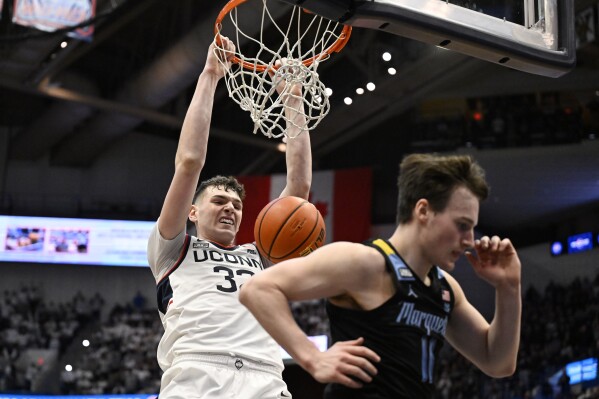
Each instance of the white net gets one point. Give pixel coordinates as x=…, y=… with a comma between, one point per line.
x=275, y=57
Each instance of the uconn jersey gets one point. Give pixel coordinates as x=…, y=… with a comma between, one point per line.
x=407, y=332
x=197, y=290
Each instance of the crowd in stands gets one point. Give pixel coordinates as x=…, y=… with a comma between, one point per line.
x=560, y=325
x=28, y=322
x=121, y=357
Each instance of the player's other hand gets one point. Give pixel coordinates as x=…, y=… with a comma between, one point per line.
x=283, y=72
x=349, y=363
x=219, y=57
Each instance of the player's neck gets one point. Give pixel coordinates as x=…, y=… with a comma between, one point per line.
x=222, y=241
x=405, y=241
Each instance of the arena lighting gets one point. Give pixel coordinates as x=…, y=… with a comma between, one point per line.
x=557, y=248
x=360, y=91
x=387, y=56
x=85, y=343
x=348, y=100
x=370, y=86
x=582, y=370
x=580, y=242
x=575, y=243
x=328, y=91
x=391, y=71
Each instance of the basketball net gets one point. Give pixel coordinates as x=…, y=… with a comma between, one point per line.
x=263, y=87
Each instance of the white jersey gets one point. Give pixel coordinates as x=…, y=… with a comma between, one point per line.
x=197, y=290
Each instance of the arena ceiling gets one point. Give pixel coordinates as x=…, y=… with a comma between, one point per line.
x=71, y=104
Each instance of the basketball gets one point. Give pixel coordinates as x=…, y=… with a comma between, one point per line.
x=287, y=228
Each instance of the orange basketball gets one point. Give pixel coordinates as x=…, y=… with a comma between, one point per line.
x=288, y=227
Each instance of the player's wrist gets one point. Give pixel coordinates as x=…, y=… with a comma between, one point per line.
x=308, y=361
x=508, y=287
x=212, y=73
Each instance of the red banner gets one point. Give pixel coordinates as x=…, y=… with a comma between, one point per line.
x=51, y=15
x=343, y=197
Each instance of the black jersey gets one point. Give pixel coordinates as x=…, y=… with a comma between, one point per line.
x=407, y=332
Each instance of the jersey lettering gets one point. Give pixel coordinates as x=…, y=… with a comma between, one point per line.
x=410, y=316
x=216, y=256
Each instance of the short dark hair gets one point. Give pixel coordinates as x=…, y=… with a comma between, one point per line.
x=434, y=178
x=227, y=183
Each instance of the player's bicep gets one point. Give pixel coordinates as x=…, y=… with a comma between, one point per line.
x=322, y=274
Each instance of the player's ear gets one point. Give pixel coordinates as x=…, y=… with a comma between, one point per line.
x=422, y=209
x=193, y=214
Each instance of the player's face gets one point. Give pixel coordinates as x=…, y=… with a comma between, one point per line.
x=218, y=213
x=451, y=232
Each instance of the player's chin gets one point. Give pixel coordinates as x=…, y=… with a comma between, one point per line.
x=448, y=265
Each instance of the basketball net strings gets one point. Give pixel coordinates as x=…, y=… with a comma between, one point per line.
x=273, y=114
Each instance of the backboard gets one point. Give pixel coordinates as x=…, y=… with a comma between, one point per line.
x=535, y=36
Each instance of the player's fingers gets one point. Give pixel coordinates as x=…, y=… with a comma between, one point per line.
x=357, y=341
x=494, y=243
x=229, y=49
x=224, y=49
x=364, y=352
x=483, y=243
x=505, y=245
x=471, y=258
x=366, y=366
x=356, y=347
x=271, y=71
x=356, y=373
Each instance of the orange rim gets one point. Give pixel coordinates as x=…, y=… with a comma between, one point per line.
x=335, y=47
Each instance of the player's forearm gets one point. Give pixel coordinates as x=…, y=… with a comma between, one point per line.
x=298, y=156
x=299, y=166
x=271, y=308
x=193, y=141
x=504, y=332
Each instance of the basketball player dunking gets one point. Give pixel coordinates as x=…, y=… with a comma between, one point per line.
x=212, y=346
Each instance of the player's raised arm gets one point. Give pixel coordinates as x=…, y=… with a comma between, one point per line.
x=298, y=155
x=492, y=347
x=193, y=144
x=332, y=270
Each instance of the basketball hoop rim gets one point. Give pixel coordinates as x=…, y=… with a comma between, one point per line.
x=335, y=47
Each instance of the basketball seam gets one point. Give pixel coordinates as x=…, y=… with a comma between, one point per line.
x=307, y=236
x=279, y=231
x=259, y=238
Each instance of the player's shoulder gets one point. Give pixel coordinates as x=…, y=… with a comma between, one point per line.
x=357, y=253
x=352, y=248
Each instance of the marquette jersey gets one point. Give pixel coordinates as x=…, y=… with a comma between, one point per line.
x=198, y=285
x=407, y=332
